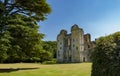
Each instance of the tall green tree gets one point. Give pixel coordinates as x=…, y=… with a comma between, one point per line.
x=19, y=36
x=26, y=41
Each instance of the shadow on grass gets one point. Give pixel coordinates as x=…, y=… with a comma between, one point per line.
x=8, y=70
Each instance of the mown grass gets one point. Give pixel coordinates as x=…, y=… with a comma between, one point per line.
x=26, y=69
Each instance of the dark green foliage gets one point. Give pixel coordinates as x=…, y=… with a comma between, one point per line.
x=53, y=61
x=106, y=56
x=26, y=41
x=50, y=46
x=37, y=9
x=45, y=56
x=19, y=36
x=4, y=45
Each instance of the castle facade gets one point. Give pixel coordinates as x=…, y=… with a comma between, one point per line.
x=73, y=47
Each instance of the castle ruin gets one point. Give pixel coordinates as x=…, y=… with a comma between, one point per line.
x=73, y=47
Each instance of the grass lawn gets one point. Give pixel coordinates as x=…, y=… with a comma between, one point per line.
x=27, y=69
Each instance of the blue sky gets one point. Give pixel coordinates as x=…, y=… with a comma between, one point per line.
x=97, y=17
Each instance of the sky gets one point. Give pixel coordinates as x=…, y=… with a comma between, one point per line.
x=97, y=17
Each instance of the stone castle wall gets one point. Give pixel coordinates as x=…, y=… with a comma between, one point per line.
x=73, y=47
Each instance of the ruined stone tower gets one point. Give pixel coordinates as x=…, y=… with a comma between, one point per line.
x=73, y=47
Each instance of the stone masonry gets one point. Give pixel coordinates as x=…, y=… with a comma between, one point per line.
x=73, y=47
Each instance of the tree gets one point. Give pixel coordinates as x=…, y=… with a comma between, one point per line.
x=19, y=36
x=45, y=56
x=26, y=41
x=36, y=9
x=4, y=45
x=50, y=46
x=106, y=56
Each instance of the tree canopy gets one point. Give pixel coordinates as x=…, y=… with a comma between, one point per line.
x=20, y=39
x=37, y=9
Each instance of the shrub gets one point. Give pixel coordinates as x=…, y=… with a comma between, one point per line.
x=53, y=61
x=106, y=57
